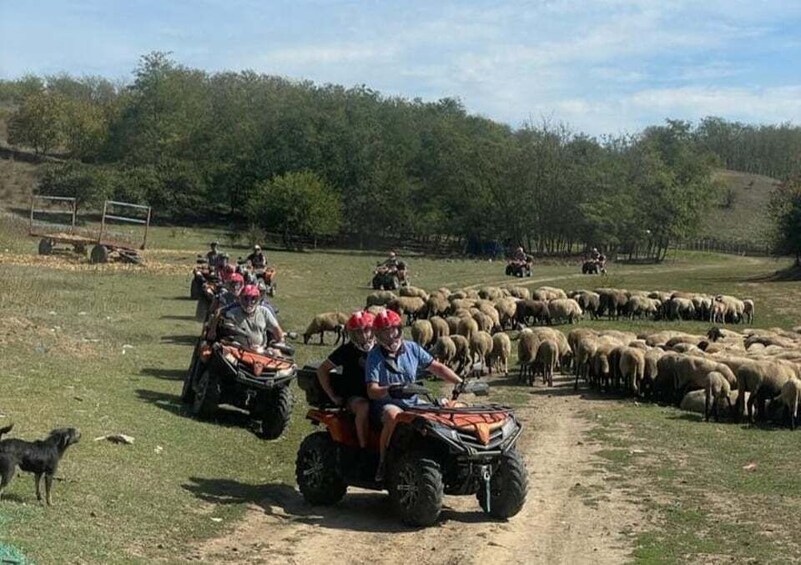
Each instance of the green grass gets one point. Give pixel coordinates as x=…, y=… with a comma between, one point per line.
x=104, y=349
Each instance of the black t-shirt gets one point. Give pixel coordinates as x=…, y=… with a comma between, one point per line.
x=351, y=381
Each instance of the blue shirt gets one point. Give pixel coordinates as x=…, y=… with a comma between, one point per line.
x=411, y=358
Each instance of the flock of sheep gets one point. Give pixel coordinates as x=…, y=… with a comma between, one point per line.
x=723, y=370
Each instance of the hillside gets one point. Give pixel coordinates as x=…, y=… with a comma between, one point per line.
x=741, y=215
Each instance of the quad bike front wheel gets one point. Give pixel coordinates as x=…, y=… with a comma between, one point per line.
x=508, y=487
x=274, y=410
x=196, y=288
x=187, y=391
x=207, y=395
x=202, y=308
x=316, y=470
x=416, y=489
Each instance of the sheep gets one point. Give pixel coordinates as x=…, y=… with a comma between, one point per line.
x=490, y=293
x=412, y=306
x=717, y=313
x=444, y=350
x=507, y=311
x=380, y=298
x=547, y=356
x=439, y=326
x=436, y=305
x=748, y=311
x=444, y=291
x=611, y=301
x=527, y=346
x=501, y=351
x=717, y=388
x=422, y=332
x=632, y=368
x=585, y=352
x=734, y=308
x=461, y=304
x=690, y=374
x=484, y=322
x=375, y=310
x=480, y=348
x=467, y=327
x=536, y=310
x=326, y=322
x=790, y=396
x=681, y=309
x=565, y=351
x=413, y=291
x=565, y=309
x=462, y=358
x=764, y=380
x=453, y=324
x=589, y=302
x=519, y=292
x=548, y=293
x=651, y=371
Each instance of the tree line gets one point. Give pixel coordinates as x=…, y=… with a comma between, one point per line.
x=315, y=160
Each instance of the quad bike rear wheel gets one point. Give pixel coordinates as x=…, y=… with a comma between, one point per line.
x=316, y=470
x=416, y=489
x=100, y=254
x=45, y=246
x=187, y=391
x=202, y=309
x=207, y=395
x=196, y=288
x=508, y=487
x=274, y=410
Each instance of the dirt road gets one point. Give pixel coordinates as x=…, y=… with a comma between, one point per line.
x=556, y=526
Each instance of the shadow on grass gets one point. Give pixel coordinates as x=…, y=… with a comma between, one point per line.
x=177, y=317
x=190, y=339
x=166, y=374
x=361, y=511
x=227, y=417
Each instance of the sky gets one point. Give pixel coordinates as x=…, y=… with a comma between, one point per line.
x=605, y=66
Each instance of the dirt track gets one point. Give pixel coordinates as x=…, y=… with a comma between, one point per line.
x=555, y=526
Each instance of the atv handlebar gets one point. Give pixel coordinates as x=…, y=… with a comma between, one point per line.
x=476, y=387
x=408, y=390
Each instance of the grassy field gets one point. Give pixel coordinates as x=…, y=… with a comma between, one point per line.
x=104, y=348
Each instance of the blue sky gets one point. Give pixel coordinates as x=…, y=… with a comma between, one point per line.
x=604, y=66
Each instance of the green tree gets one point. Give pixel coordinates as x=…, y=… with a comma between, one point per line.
x=296, y=203
x=90, y=185
x=785, y=210
x=38, y=122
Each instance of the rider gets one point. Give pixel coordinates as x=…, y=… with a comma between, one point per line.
x=213, y=255
x=520, y=255
x=395, y=362
x=594, y=254
x=229, y=293
x=249, y=319
x=349, y=389
x=390, y=262
x=257, y=258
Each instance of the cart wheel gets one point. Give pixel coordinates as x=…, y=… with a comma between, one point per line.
x=79, y=248
x=45, y=246
x=99, y=254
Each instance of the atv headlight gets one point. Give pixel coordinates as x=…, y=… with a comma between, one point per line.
x=284, y=373
x=509, y=427
x=230, y=357
x=445, y=431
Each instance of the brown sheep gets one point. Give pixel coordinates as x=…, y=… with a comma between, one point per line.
x=412, y=306
x=467, y=327
x=326, y=322
x=462, y=358
x=480, y=348
x=764, y=380
x=790, y=396
x=444, y=350
x=440, y=327
x=717, y=388
x=380, y=298
x=501, y=351
x=547, y=355
x=527, y=345
x=413, y=291
x=632, y=368
x=422, y=333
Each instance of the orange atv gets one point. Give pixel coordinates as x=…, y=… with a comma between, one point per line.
x=253, y=379
x=439, y=448
x=390, y=278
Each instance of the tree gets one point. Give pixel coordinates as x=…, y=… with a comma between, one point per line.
x=785, y=210
x=37, y=123
x=89, y=185
x=296, y=203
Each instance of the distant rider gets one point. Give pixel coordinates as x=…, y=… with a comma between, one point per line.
x=349, y=388
x=390, y=262
x=230, y=291
x=520, y=255
x=213, y=255
x=395, y=361
x=257, y=258
x=252, y=324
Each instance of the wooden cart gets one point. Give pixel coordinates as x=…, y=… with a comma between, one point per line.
x=106, y=246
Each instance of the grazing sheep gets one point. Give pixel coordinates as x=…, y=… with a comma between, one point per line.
x=326, y=322
x=467, y=327
x=501, y=351
x=485, y=323
x=565, y=351
x=764, y=380
x=589, y=302
x=681, y=309
x=422, y=333
x=547, y=356
x=444, y=350
x=462, y=358
x=412, y=306
x=413, y=291
x=519, y=292
x=535, y=310
x=380, y=298
x=734, y=308
x=490, y=293
x=611, y=301
x=563, y=309
x=507, y=312
x=548, y=293
x=748, y=311
x=691, y=371
x=444, y=291
x=375, y=310
x=439, y=326
x=480, y=348
x=717, y=313
x=437, y=305
x=527, y=345
x=453, y=324
x=790, y=396
x=585, y=349
x=632, y=368
x=717, y=388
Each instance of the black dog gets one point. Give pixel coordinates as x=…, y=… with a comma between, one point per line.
x=39, y=457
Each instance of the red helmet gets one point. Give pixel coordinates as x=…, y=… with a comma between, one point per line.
x=236, y=278
x=250, y=298
x=387, y=319
x=389, y=330
x=228, y=271
x=360, y=320
x=360, y=330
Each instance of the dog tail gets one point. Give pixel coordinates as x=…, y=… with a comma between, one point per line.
x=5, y=430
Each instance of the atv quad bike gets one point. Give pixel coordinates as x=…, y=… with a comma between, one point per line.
x=390, y=278
x=518, y=268
x=444, y=447
x=593, y=267
x=265, y=274
x=201, y=274
x=254, y=379
x=208, y=291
